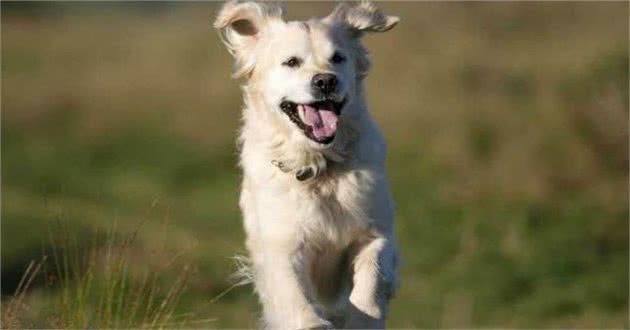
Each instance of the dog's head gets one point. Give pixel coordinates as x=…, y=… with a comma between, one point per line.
x=306, y=73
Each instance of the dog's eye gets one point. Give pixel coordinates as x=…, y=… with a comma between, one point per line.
x=292, y=62
x=337, y=58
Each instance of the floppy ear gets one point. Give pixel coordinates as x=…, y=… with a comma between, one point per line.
x=240, y=26
x=363, y=17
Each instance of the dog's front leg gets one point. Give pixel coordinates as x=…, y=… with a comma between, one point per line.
x=374, y=281
x=281, y=283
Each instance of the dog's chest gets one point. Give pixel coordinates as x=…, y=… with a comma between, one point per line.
x=333, y=210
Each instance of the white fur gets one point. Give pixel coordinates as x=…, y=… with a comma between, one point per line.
x=322, y=250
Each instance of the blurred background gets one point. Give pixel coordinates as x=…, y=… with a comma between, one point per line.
x=507, y=125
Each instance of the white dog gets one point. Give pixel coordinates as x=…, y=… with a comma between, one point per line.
x=316, y=203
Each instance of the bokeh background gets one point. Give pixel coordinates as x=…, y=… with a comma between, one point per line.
x=507, y=126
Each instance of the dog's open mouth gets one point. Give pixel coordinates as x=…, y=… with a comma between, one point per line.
x=317, y=120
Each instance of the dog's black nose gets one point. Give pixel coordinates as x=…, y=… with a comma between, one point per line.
x=325, y=83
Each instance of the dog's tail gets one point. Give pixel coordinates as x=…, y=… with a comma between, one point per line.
x=243, y=275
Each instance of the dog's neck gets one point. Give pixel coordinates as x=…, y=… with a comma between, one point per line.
x=284, y=147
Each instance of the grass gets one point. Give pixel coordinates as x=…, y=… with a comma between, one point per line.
x=508, y=156
x=97, y=285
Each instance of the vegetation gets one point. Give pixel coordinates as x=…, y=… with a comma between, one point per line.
x=507, y=126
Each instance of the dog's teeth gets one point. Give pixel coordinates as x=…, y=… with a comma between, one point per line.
x=300, y=111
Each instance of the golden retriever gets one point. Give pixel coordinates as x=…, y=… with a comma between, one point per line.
x=317, y=208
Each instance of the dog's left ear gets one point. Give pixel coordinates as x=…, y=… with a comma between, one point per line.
x=361, y=18
x=241, y=25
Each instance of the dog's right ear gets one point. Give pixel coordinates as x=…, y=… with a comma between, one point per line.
x=362, y=18
x=240, y=26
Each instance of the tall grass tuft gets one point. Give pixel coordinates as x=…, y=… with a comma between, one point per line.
x=101, y=286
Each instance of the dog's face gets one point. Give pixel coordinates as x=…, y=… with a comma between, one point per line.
x=306, y=73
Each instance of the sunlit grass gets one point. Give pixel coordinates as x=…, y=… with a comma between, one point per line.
x=99, y=285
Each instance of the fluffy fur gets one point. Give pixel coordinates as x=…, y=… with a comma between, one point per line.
x=322, y=248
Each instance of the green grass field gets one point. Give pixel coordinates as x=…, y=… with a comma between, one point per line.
x=507, y=126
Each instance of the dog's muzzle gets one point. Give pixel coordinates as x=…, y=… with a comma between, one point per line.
x=318, y=120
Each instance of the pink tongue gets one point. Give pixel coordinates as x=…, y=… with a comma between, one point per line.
x=322, y=120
